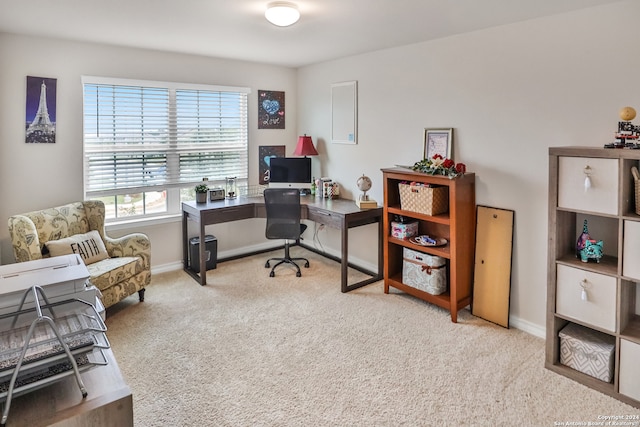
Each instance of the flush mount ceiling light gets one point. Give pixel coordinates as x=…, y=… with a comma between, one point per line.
x=282, y=13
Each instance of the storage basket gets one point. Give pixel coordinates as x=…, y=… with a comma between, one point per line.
x=423, y=199
x=404, y=231
x=425, y=272
x=588, y=351
x=636, y=181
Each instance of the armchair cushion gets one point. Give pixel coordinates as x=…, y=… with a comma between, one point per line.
x=89, y=246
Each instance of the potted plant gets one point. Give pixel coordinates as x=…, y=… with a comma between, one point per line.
x=201, y=193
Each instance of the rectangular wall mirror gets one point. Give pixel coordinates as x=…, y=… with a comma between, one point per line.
x=344, y=112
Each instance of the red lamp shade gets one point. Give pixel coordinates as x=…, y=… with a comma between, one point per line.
x=305, y=147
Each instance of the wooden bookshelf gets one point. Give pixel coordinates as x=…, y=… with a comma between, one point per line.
x=457, y=225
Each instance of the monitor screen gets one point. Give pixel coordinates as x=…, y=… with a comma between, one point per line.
x=290, y=172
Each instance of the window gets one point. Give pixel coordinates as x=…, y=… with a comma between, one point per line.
x=146, y=144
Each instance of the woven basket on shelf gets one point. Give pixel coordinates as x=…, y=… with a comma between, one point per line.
x=423, y=199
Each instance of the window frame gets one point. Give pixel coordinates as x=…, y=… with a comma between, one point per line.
x=172, y=189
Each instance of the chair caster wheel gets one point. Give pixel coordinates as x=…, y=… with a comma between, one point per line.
x=267, y=265
x=272, y=274
x=306, y=264
x=298, y=274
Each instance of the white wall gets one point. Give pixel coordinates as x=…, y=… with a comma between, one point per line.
x=510, y=93
x=33, y=177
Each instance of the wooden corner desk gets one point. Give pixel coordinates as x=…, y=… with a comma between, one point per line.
x=340, y=214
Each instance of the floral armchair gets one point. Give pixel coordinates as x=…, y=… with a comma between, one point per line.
x=118, y=267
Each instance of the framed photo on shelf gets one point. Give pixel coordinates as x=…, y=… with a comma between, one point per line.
x=438, y=141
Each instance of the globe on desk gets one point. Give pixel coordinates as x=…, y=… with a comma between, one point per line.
x=364, y=185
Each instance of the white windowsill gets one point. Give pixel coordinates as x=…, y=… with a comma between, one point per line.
x=144, y=222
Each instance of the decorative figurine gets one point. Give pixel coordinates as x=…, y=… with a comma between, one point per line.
x=582, y=239
x=592, y=252
x=231, y=187
x=587, y=249
x=627, y=134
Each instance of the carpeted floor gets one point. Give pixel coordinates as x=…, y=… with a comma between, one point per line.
x=250, y=350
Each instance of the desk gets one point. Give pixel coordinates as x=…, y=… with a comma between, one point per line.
x=339, y=214
x=108, y=403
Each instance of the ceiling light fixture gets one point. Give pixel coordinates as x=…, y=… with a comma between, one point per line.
x=282, y=13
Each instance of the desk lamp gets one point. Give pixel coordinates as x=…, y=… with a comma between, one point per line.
x=305, y=147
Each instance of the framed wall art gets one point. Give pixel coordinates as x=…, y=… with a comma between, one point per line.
x=41, y=110
x=270, y=109
x=265, y=153
x=438, y=141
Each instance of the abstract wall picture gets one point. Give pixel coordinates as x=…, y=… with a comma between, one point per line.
x=270, y=109
x=41, y=110
x=265, y=153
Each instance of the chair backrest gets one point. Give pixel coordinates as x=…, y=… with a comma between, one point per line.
x=283, y=213
x=30, y=231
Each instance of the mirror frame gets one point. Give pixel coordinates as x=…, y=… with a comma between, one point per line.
x=344, y=112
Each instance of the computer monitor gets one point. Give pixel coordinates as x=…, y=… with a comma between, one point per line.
x=290, y=172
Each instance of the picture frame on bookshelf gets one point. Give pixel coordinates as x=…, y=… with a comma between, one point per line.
x=438, y=141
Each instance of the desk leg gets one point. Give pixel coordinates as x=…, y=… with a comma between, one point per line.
x=185, y=254
x=185, y=241
x=344, y=273
x=345, y=287
x=203, y=256
x=380, y=250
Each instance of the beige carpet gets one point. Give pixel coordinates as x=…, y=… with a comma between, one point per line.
x=250, y=350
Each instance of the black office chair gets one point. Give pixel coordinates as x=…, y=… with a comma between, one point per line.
x=283, y=222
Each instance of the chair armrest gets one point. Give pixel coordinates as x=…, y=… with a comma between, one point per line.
x=24, y=238
x=134, y=244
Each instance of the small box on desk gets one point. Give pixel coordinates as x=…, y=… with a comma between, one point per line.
x=425, y=272
x=588, y=351
x=424, y=199
x=401, y=230
x=366, y=204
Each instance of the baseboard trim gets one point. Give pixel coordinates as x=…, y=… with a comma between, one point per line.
x=166, y=268
x=222, y=256
x=254, y=249
x=528, y=327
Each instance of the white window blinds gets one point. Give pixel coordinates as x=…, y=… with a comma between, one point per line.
x=152, y=136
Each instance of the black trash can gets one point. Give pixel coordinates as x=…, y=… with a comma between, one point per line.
x=211, y=254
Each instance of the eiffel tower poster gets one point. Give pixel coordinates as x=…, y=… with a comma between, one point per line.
x=41, y=110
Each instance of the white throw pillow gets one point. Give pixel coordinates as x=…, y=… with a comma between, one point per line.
x=89, y=246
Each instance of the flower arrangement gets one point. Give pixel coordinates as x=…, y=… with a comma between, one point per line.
x=438, y=165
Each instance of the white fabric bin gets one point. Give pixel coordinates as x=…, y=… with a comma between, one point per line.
x=425, y=272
